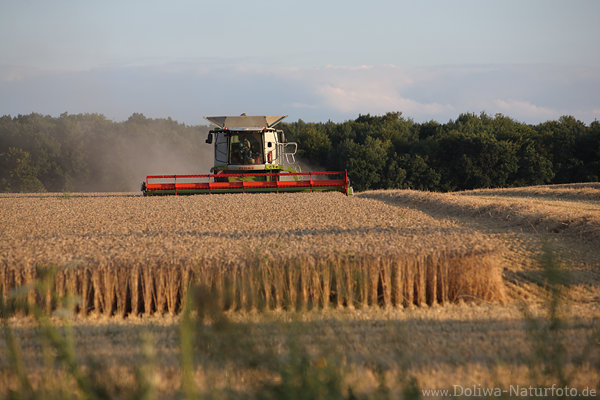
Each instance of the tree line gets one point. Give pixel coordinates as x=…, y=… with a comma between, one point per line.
x=473, y=151
x=87, y=152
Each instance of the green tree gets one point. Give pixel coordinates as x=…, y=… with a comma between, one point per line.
x=365, y=163
x=469, y=161
x=561, y=140
x=419, y=174
x=87, y=152
x=395, y=174
x=315, y=144
x=534, y=168
x=17, y=172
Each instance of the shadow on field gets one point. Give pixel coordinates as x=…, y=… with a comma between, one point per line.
x=415, y=342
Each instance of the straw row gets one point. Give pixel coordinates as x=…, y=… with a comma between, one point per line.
x=578, y=219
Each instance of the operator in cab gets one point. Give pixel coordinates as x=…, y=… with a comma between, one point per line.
x=246, y=151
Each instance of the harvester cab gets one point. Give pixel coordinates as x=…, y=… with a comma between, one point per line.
x=250, y=143
x=250, y=155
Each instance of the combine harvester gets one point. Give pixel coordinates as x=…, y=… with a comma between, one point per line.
x=250, y=157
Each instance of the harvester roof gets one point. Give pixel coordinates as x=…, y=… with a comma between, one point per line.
x=246, y=122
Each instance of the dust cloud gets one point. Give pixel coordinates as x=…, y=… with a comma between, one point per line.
x=123, y=166
x=306, y=166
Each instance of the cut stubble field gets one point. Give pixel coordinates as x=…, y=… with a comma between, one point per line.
x=441, y=288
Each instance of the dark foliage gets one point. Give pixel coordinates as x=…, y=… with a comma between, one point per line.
x=87, y=152
x=474, y=151
x=90, y=153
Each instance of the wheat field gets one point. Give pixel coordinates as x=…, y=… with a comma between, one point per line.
x=384, y=291
x=125, y=254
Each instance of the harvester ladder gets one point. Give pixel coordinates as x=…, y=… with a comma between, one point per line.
x=288, y=156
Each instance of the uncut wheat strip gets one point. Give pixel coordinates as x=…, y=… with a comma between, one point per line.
x=408, y=287
x=358, y=293
x=219, y=286
x=315, y=282
x=148, y=287
x=121, y=276
x=60, y=289
x=86, y=290
x=26, y=276
x=276, y=285
x=346, y=280
x=6, y=281
x=15, y=277
x=431, y=280
x=188, y=277
x=373, y=274
x=292, y=272
x=75, y=276
x=467, y=276
x=174, y=287
x=396, y=277
x=160, y=292
x=325, y=274
x=134, y=286
x=109, y=288
x=421, y=280
x=473, y=278
x=302, y=285
x=248, y=298
x=230, y=287
x=387, y=282
x=237, y=290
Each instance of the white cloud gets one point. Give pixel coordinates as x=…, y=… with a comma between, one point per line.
x=11, y=73
x=376, y=99
x=350, y=91
x=524, y=110
x=186, y=91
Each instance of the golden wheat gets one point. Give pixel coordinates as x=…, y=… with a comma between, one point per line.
x=572, y=191
x=579, y=219
x=129, y=254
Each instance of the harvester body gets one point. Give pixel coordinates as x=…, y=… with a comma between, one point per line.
x=251, y=144
x=250, y=155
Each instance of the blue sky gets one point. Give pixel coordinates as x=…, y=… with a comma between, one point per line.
x=533, y=60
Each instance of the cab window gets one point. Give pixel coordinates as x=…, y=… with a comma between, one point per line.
x=245, y=149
